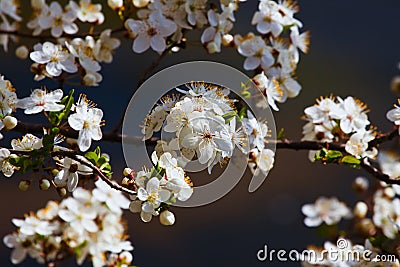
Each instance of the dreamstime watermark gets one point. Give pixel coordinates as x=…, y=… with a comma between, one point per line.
x=341, y=253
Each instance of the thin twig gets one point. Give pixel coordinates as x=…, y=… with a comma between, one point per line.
x=73, y=155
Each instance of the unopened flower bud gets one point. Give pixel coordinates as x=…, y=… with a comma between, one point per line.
x=140, y=3
x=227, y=40
x=54, y=172
x=360, y=209
x=61, y=191
x=37, y=4
x=10, y=122
x=212, y=48
x=24, y=185
x=125, y=181
x=167, y=218
x=126, y=257
x=127, y=172
x=22, y=52
x=367, y=227
x=389, y=192
x=114, y=4
x=395, y=84
x=360, y=184
x=44, y=184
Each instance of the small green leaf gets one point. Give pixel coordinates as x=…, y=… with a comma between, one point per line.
x=242, y=113
x=351, y=161
x=56, y=117
x=333, y=156
x=281, y=134
x=229, y=116
x=92, y=157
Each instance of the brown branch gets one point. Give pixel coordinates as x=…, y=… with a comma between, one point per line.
x=49, y=36
x=308, y=145
x=366, y=165
x=73, y=155
x=24, y=127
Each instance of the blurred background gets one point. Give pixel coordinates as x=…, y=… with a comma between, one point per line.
x=355, y=49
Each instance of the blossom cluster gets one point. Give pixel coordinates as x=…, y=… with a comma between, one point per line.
x=159, y=187
x=206, y=126
x=336, y=119
x=275, y=52
x=375, y=218
x=88, y=224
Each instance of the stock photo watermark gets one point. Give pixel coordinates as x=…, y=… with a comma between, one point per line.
x=343, y=252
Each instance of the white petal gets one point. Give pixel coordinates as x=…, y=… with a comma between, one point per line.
x=39, y=57
x=84, y=140
x=312, y=222
x=157, y=43
x=72, y=181
x=90, y=226
x=146, y=217
x=76, y=122
x=18, y=255
x=141, y=43
x=251, y=63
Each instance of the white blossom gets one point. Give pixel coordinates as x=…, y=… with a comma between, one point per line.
x=27, y=143
x=69, y=175
x=219, y=26
x=257, y=53
x=394, y=115
x=87, y=121
x=327, y=210
x=358, y=146
x=55, y=58
x=270, y=88
x=114, y=199
x=86, y=11
x=151, y=32
x=152, y=197
x=41, y=100
x=58, y=21
x=255, y=130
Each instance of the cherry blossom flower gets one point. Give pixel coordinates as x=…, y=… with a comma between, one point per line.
x=255, y=50
x=327, y=210
x=105, y=46
x=58, y=21
x=207, y=136
x=358, y=146
x=354, y=116
x=270, y=88
x=268, y=19
x=54, y=57
x=114, y=199
x=255, y=130
x=9, y=8
x=27, y=143
x=87, y=121
x=69, y=175
x=8, y=97
x=6, y=168
x=394, y=115
x=80, y=219
x=152, y=32
x=152, y=197
x=41, y=100
x=86, y=11
x=219, y=26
